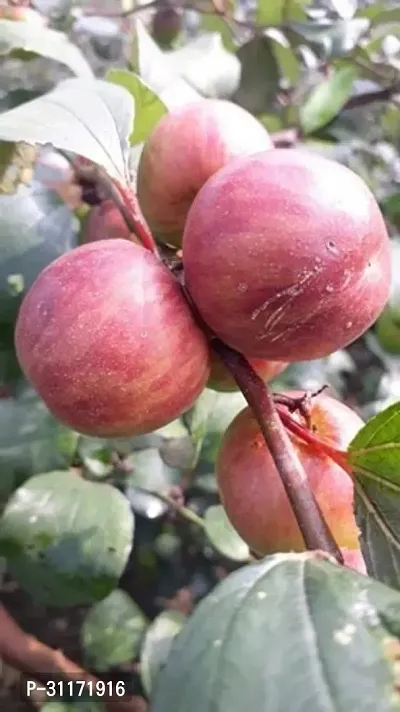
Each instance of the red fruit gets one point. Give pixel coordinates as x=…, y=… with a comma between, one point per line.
x=286, y=255
x=187, y=147
x=221, y=380
x=108, y=341
x=105, y=222
x=254, y=497
x=354, y=560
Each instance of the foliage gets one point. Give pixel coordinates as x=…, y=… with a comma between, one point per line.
x=133, y=529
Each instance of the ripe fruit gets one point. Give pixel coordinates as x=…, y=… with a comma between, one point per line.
x=188, y=146
x=254, y=497
x=105, y=222
x=286, y=255
x=108, y=341
x=221, y=380
x=166, y=25
x=353, y=558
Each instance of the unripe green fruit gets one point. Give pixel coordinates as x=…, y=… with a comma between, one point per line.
x=108, y=341
x=166, y=25
x=252, y=492
x=186, y=147
x=286, y=255
x=221, y=380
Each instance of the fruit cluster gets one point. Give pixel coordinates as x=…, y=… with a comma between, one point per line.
x=285, y=257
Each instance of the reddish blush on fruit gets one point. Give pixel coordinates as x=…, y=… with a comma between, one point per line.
x=286, y=255
x=186, y=147
x=221, y=380
x=252, y=492
x=353, y=558
x=105, y=222
x=108, y=341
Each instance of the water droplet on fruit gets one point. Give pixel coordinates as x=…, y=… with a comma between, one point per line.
x=143, y=334
x=349, y=324
x=329, y=288
x=332, y=247
x=243, y=287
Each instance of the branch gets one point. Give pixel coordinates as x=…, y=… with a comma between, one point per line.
x=313, y=527
x=27, y=654
x=370, y=97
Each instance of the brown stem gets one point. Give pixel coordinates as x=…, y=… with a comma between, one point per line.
x=313, y=527
x=130, y=209
x=27, y=654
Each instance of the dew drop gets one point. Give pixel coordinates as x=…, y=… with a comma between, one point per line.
x=243, y=287
x=349, y=324
x=329, y=288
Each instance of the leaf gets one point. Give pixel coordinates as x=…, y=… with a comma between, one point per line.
x=149, y=108
x=277, y=12
x=157, y=644
x=45, y=42
x=259, y=81
x=292, y=632
x=35, y=227
x=31, y=441
x=333, y=39
x=327, y=99
x=149, y=474
x=211, y=22
x=148, y=60
x=112, y=631
x=17, y=161
x=346, y=9
x=375, y=458
x=223, y=536
x=226, y=407
x=66, y=540
x=288, y=63
x=92, y=118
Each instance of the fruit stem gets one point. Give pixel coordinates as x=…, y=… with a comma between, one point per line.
x=314, y=529
x=128, y=204
x=339, y=456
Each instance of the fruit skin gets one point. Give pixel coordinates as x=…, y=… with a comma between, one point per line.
x=353, y=558
x=187, y=146
x=222, y=381
x=254, y=497
x=286, y=255
x=108, y=341
x=105, y=222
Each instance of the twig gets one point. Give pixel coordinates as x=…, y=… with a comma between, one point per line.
x=312, y=525
x=27, y=654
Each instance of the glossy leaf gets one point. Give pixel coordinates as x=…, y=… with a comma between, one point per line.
x=292, y=632
x=157, y=645
x=327, y=99
x=259, y=81
x=149, y=473
x=375, y=457
x=31, y=441
x=66, y=540
x=148, y=106
x=223, y=536
x=112, y=631
x=31, y=38
x=92, y=118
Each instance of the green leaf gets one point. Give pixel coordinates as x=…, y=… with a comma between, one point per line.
x=149, y=474
x=31, y=441
x=277, y=12
x=157, y=645
x=333, y=39
x=206, y=65
x=148, y=60
x=112, y=631
x=259, y=81
x=35, y=227
x=292, y=632
x=223, y=536
x=66, y=540
x=211, y=22
x=327, y=99
x=226, y=407
x=45, y=42
x=149, y=108
x=92, y=118
x=375, y=458
x=289, y=65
